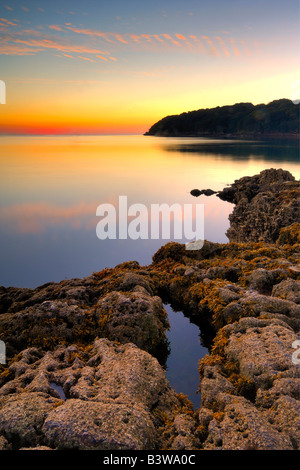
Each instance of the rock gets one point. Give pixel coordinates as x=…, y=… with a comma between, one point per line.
x=261, y=280
x=184, y=430
x=89, y=425
x=22, y=417
x=81, y=371
x=134, y=317
x=288, y=289
x=261, y=350
x=196, y=192
x=212, y=385
x=4, y=445
x=240, y=426
x=206, y=192
x=264, y=204
x=114, y=397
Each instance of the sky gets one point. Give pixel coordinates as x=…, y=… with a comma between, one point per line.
x=117, y=66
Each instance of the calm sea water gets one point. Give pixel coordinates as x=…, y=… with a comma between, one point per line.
x=51, y=187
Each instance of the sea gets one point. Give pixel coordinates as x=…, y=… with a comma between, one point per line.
x=55, y=190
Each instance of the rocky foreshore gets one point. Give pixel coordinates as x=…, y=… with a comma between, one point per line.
x=85, y=357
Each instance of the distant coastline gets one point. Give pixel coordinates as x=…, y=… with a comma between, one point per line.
x=278, y=119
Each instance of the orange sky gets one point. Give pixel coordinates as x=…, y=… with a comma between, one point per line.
x=79, y=69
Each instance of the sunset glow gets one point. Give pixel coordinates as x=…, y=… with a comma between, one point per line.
x=117, y=67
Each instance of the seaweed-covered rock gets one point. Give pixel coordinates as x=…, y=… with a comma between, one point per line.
x=107, y=396
x=22, y=417
x=90, y=425
x=133, y=317
x=264, y=204
x=79, y=374
x=240, y=426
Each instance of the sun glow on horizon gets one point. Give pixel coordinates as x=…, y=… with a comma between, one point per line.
x=99, y=72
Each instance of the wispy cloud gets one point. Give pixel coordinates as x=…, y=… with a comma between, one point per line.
x=55, y=27
x=212, y=48
x=173, y=41
x=71, y=41
x=234, y=47
x=7, y=22
x=86, y=58
x=223, y=46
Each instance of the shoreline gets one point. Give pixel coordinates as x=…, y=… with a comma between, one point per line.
x=102, y=340
x=230, y=136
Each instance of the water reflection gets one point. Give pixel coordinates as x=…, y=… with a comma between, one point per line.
x=186, y=349
x=279, y=150
x=51, y=186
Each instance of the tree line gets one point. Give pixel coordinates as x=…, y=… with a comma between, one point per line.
x=278, y=117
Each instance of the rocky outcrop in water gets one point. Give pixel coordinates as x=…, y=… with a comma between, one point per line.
x=85, y=357
x=264, y=204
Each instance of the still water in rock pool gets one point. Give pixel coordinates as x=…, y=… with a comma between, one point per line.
x=185, y=351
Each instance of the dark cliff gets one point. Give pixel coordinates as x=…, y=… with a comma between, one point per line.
x=243, y=119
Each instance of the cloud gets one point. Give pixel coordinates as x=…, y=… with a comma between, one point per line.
x=4, y=20
x=103, y=58
x=173, y=41
x=213, y=50
x=24, y=8
x=51, y=44
x=12, y=49
x=8, y=7
x=234, y=47
x=55, y=27
x=120, y=38
x=34, y=40
x=198, y=42
x=53, y=81
x=223, y=46
x=90, y=32
x=86, y=58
